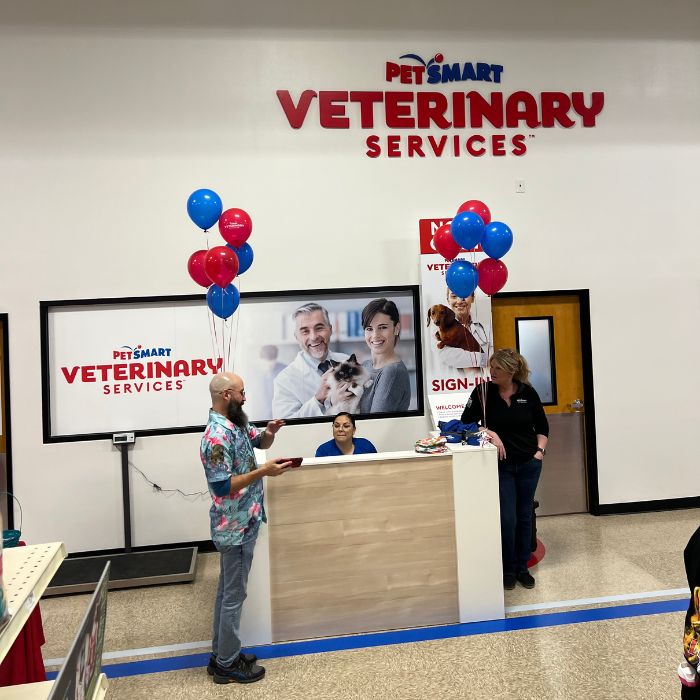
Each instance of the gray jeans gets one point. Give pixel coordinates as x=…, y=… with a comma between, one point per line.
x=233, y=581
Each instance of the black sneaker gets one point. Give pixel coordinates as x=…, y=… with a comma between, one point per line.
x=240, y=671
x=526, y=580
x=508, y=582
x=211, y=666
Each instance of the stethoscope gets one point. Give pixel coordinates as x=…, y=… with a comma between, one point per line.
x=478, y=331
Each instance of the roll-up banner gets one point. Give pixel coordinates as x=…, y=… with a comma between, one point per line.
x=457, y=360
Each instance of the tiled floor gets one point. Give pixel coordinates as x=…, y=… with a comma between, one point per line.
x=586, y=557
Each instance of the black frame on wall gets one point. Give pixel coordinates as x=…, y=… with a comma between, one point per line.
x=5, y=322
x=46, y=306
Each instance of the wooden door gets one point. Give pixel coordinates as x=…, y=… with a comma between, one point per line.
x=563, y=484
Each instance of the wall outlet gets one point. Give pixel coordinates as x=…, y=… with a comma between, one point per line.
x=520, y=186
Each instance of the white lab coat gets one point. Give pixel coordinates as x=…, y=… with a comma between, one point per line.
x=296, y=386
x=458, y=358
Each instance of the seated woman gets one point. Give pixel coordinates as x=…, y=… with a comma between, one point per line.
x=344, y=441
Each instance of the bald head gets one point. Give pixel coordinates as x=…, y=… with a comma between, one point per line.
x=228, y=396
x=223, y=381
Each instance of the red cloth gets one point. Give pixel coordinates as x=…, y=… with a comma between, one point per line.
x=24, y=663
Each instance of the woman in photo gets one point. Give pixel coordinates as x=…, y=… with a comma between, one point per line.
x=390, y=390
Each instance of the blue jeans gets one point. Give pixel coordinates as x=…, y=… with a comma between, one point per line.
x=516, y=489
x=236, y=561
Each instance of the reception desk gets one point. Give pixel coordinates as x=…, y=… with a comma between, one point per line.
x=376, y=542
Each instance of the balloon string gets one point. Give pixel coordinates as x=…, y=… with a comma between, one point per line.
x=484, y=385
x=223, y=342
x=210, y=318
x=238, y=320
x=216, y=339
x=476, y=308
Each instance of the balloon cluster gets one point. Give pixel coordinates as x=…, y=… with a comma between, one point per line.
x=216, y=268
x=471, y=227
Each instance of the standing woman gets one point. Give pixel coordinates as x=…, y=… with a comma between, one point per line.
x=515, y=421
x=391, y=388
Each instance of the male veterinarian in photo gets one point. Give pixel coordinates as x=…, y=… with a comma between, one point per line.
x=302, y=389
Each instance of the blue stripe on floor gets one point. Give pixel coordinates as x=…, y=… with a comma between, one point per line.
x=422, y=634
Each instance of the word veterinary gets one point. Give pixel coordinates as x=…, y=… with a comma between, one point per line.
x=123, y=375
x=339, y=109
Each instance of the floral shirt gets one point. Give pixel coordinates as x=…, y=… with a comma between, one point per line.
x=227, y=450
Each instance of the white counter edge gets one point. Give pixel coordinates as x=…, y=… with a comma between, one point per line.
x=384, y=456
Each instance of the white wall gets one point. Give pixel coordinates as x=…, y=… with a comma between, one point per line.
x=110, y=116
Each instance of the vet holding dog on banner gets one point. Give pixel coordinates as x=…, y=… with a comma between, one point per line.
x=477, y=356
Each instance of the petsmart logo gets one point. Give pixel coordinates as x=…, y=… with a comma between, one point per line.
x=443, y=114
x=434, y=71
x=126, y=352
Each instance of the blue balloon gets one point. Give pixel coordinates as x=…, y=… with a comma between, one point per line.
x=467, y=228
x=245, y=257
x=498, y=239
x=462, y=278
x=204, y=208
x=223, y=302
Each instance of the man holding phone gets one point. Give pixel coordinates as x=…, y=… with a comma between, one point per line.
x=236, y=488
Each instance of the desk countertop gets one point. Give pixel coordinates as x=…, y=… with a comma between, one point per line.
x=384, y=456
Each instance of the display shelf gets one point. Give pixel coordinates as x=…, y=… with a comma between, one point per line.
x=26, y=573
x=41, y=691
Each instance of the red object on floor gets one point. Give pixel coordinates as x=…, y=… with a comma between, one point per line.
x=24, y=663
x=538, y=555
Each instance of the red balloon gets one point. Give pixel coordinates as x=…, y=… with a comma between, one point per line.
x=478, y=208
x=221, y=265
x=235, y=227
x=445, y=244
x=195, y=266
x=493, y=275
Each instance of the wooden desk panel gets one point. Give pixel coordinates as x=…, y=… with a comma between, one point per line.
x=362, y=547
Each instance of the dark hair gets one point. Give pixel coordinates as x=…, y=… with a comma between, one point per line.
x=345, y=413
x=380, y=306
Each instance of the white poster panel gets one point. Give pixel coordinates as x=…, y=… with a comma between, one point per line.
x=145, y=365
x=129, y=367
x=457, y=361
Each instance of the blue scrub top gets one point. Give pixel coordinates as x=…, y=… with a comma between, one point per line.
x=330, y=449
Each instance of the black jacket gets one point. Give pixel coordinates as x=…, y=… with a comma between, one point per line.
x=518, y=425
x=691, y=632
